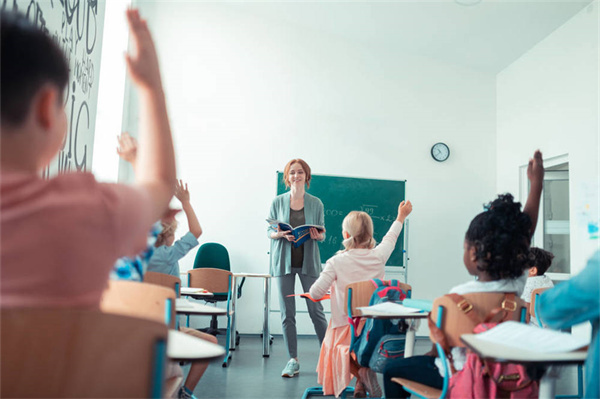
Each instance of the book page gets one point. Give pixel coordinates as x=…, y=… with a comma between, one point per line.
x=388, y=308
x=532, y=338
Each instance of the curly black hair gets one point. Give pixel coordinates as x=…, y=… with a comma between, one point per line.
x=541, y=259
x=501, y=237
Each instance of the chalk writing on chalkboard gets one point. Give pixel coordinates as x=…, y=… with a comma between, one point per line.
x=76, y=26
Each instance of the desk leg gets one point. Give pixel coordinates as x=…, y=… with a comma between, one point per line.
x=266, y=306
x=232, y=335
x=548, y=383
x=409, y=344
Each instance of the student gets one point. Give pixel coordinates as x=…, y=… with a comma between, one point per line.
x=573, y=302
x=168, y=251
x=133, y=268
x=61, y=236
x=541, y=261
x=496, y=252
x=359, y=261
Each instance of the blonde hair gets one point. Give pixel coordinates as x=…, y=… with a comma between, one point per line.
x=359, y=226
x=168, y=230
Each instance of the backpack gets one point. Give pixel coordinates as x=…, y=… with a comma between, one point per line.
x=382, y=334
x=484, y=378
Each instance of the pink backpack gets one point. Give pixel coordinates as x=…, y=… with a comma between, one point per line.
x=486, y=379
x=483, y=378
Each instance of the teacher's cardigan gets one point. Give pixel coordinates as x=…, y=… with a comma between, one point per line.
x=281, y=259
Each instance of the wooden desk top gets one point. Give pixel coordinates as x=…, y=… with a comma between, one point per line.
x=505, y=353
x=184, y=347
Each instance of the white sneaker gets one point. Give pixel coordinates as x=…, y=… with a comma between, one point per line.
x=292, y=369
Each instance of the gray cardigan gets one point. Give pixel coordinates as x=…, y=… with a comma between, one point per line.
x=281, y=249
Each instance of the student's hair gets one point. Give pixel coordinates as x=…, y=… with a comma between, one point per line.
x=501, y=239
x=541, y=259
x=168, y=230
x=29, y=59
x=286, y=171
x=360, y=227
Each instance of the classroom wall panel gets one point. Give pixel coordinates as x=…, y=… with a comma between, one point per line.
x=548, y=99
x=247, y=93
x=77, y=27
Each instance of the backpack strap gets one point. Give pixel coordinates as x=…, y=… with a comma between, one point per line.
x=505, y=311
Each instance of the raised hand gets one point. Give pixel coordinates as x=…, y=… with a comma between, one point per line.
x=535, y=169
x=127, y=148
x=404, y=209
x=181, y=192
x=143, y=61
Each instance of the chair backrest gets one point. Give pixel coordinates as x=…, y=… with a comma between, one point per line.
x=163, y=279
x=132, y=298
x=534, y=294
x=360, y=295
x=455, y=322
x=68, y=353
x=217, y=281
x=212, y=255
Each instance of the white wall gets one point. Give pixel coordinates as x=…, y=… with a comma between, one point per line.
x=548, y=99
x=245, y=95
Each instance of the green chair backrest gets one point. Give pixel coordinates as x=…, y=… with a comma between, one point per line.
x=213, y=255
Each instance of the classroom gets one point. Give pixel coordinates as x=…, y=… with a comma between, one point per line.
x=357, y=89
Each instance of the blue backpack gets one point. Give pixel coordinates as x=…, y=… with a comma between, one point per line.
x=382, y=336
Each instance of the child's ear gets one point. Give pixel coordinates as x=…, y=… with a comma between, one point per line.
x=473, y=253
x=46, y=104
x=345, y=235
x=533, y=272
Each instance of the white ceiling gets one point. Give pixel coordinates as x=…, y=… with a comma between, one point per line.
x=487, y=36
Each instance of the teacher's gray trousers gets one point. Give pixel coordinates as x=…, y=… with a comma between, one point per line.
x=287, y=305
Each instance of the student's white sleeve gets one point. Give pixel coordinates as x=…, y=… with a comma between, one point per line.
x=386, y=247
x=323, y=283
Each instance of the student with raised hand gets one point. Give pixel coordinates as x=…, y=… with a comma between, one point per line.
x=359, y=261
x=162, y=256
x=496, y=252
x=61, y=236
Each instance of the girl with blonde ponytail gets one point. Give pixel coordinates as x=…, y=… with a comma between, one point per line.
x=359, y=260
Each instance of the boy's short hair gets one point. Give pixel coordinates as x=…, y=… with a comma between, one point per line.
x=541, y=259
x=29, y=59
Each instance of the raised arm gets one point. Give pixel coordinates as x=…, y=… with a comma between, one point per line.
x=388, y=243
x=127, y=149
x=155, y=169
x=183, y=195
x=535, y=174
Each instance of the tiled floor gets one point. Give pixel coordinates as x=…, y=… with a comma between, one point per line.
x=249, y=375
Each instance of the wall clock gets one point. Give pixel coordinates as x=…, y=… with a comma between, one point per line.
x=440, y=152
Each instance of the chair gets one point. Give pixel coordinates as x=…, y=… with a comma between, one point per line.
x=165, y=280
x=357, y=295
x=212, y=255
x=453, y=321
x=144, y=300
x=71, y=353
x=217, y=281
x=534, y=296
x=132, y=298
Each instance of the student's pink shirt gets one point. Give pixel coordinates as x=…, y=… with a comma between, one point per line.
x=351, y=267
x=61, y=237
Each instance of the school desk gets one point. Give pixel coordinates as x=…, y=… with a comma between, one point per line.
x=412, y=319
x=182, y=347
x=194, y=293
x=508, y=354
x=266, y=292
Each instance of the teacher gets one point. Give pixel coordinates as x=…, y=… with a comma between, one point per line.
x=296, y=207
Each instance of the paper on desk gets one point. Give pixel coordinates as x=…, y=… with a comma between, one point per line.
x=181, y=303
x=532, y=338
x=389, y=308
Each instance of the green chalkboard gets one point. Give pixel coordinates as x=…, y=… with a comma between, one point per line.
x=340, y=195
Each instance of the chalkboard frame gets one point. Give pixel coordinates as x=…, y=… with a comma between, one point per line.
x=333, y=218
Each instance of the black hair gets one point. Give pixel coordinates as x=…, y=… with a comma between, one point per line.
x=501, y=238
x=541, y=259
x=29, y=59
